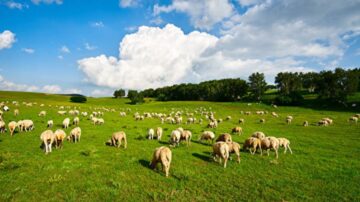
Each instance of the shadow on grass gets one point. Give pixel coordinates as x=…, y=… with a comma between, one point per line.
x=202, y=157
x=145, y=163
x=201, y=142
x=164, y=143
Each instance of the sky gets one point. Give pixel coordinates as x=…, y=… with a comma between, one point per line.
x=93, y=47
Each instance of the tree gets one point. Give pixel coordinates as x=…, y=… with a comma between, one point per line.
x=119, y=93
x=78, y=99
x=288, y=82
x=257, y=85
x=135, y=97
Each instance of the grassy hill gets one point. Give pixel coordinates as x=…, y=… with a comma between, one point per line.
x=324, y=166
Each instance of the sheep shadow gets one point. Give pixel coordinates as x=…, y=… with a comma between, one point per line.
x=202, y=157
x=145, y=163
x=164, y=142
x=202, y=142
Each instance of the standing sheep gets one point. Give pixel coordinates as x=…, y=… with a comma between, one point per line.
x=221, y=151
x=254, y=143
x=259, y=135
x=117, y=138
x=76, y=121
x=207, y=135
x=353, y=119
x=226, y=137
x=270, y=143
x=306, y=124
x=2, y=127
x=234, y=148
x=50, y=123
x=159, y=132
x=238, y=130
x=16, y=112
x=60, y=137
x=66, y=123
x=283, y=142
x=75, y=134
x=186, y=136
x=162, y=155
x=151, y=134
x=241, y=121
x=42, y=113
x=175, y=137
x=47, y=138
x=12, y=126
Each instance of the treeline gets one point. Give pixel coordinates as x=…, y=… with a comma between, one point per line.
x=290, y=87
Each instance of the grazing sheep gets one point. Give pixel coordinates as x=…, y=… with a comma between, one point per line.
x=228, y=118
x=117, y=138
x=328, y=120
x=213, y=124
x=159, y=132
x=306, y=124
x=48, y=138
x=16, y=112
x=60, y=137
x=175, y=137
x=259, y=135
x=42, y=113
x=62, y=113
x=254, y=143
x=66, y=123
x=241, y=121
x=221, y=151
x=207, y=135
x=262, y=120
x=98, y=121
x=323, y=123
x=151, y=134
x=2, y=127
x=270, y=143
x=76, y=121
x=353, y=119
x=20, y=125
x=162, y=155
x=237, y=130
x=12, y=126
x=274, y=114
x=283, y=142
x=27, y=125
x=226, y=137
x=75, y=134
x=288, y=121
x=234, y=147
x=50, y=123
x=247, y=113
x=186, y=136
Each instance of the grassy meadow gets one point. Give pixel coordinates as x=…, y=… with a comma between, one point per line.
x=324, y=166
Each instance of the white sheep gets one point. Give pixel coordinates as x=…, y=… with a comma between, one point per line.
x=270, y=143
x=60, y=136
x=353, y=119
x=27, y=125
x=48, y=138
x=2, y=127
x=226, y=137
x=16, y=112
x=66, y=123
x=159, y=132
x=162, y=155
x=12, y=126
x=207, y=135
x=186, y=136
x=221, y=151
x=151, y=134
x=175, y=137
x=50, y=123
x=75, y=134
x=259, y=135
x=306, y=123
x=252, y=143
x=283, y=142
x=42, y=113
x=76, y=121
x=238, y=130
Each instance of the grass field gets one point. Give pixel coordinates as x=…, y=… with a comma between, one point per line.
x=324, y=166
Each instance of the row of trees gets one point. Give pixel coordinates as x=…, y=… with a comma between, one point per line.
x=290, y=86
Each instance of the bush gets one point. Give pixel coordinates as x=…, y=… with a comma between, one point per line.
x=78, y=99
x=294, y=98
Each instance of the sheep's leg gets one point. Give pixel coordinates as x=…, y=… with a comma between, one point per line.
x=289, y=149
x=119, y=143
x=225, y=161
x=50, y=144
x=268, y=152
x=285, y=149
x=276, y=153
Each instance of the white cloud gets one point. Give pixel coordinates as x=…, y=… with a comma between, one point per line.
x=102, y=92
x=249, y=2
x=157, y=21
x=89, y=47
x=203, y=13
x=11, y=86
x=73, y=91
x=51, y=89
x=131, y=28
x=128, y=3
x=37, y=2
x=7, y=38
x=60, y=57
x=98, y=24
x=65, y=49
x=151, y=57
x=28, y=50
x=15, y=5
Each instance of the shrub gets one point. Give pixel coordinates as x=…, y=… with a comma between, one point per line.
x=78, y=99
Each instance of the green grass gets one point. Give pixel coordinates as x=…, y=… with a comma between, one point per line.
x=325, y=165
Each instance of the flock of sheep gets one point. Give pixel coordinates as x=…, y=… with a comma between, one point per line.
x=222, y=148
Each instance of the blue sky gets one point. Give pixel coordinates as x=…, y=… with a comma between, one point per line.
x=63, y=46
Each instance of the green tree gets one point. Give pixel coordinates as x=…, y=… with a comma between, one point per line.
x=135, y=97
x=119, y=93
x=257, y=85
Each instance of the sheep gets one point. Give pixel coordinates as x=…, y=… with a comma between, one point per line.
x=117, y=138
x=60, y=136
x=186, y=136
x=262, y=120
x=228, y=118
x=20, y=125
x=226, y=137
x=12, y=126
x=221, y=151
x=323, y=123
x=162, y=155
x=306, y=123
x=274, y=114
x=16, y=112
x=241, y=121
x=84, y=114
x=353, y=119
x=175, y=137
x=270, y=143
x=191, y=120
x=328, y=120
x=237, y=130
x=76, y=121
x=75, y=134
x=283, y=142
x=207, y=135
x=254, y=143
x=2, y=127
x=61, y=113
x=48, y=138
x=213, y=124
x=42, y=113
x=159, y=132
x=50, y=123
x=258, y=134
x=27, y=125
x=288, y=121
x=247, y=113
x=151, y=133
x=98, y=121
x=234, y=148
x=66, y=123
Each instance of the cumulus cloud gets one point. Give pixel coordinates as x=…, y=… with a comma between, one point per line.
x=203, y=13
x=37, y=2
x=151, y=57
x=89, y=47
x=15, y=5
x=98, y=24
x=7, y=38
x=102, y=92
x=72, y=91
x=51, y=89
x=11, y=86
x=128, y=3
x=65, y=49
x=28, y=50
